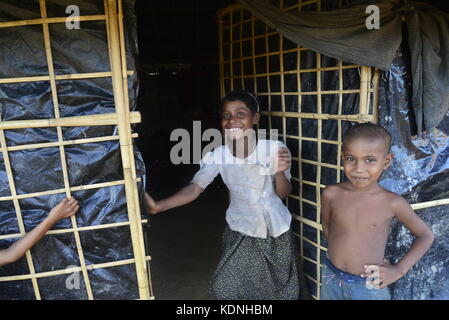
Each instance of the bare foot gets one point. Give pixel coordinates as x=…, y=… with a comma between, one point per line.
x=66, y=208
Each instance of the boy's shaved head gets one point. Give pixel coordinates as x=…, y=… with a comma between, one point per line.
x=370, y=131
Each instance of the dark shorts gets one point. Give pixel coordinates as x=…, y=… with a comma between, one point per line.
x=256, y=269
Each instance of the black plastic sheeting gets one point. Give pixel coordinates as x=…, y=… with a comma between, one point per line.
x=420, y=173
x=22, y=53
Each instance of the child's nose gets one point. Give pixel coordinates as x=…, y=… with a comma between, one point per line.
x=359, y=166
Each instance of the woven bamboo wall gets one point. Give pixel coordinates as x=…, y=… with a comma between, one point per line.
x=122, y=118
x=310, y=99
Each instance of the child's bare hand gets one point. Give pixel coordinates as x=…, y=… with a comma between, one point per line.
x=387, y=274
x=283, y=160
x=66, y=208
x=152, y=207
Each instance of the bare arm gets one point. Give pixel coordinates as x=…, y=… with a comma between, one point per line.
x=182, y=197
x=325, y=210
x=424, y=236
x=64, y=209
x=283, y=186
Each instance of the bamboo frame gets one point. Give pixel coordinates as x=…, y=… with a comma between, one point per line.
x=122, y=118
x=75, y=76
x=367, y=112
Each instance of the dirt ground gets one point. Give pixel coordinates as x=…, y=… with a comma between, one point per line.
x=185, y=246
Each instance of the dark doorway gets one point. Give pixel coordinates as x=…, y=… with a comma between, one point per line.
x=179, y=84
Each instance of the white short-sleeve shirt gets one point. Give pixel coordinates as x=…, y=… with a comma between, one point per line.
x=255, y=209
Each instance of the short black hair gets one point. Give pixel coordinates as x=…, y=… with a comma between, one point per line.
x=246, y=97
x=368, y=131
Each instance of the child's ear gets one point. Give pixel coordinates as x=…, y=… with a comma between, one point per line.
x=388, y=160
x=256, y=118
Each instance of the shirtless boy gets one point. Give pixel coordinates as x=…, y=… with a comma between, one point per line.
x=356, y=219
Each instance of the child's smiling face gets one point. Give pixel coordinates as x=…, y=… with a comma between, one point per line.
x=364, y=160
x=236, y=118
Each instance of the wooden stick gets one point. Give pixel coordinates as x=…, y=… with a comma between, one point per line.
x=126, y=147
x=318, y=171
x=65, y=173
x=312, y=139
x=105, y=119
x=376, y=96
x=340, y=111
x=311, y=93
x=428, y=204
x=47, y=21
x=324, y=116
x=308, y=222
x=135, y=195
x=364, y=87
x=64, y=143
x=73, y=189
x=69, y=270
x=74, y=76
x=220, y=56
x=69, y=230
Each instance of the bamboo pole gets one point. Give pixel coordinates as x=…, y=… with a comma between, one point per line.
x=54, y=93
x=376, y=96
x=339, y=124
x=428, y=204
x=57, y=191
x=70, y=230
x=318, y=171
x=126, y=147
x=64, y=143
x=231, y=50
x=105, y=119
x=364, y=89
x=323, y=116
x=74, y=76
x=220, y=54
x=133, y=167
x=47, y=21
x=241, y=51
x=69, y=270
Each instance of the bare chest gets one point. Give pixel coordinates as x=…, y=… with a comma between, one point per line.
x=361, y=214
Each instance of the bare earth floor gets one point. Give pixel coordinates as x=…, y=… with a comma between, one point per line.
x=185, y=246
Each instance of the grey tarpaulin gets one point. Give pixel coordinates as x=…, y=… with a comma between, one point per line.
x=342, y=34
x=420, y=172
x=22, y=53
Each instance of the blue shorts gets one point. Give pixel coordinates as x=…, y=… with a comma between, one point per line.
x=337, y=284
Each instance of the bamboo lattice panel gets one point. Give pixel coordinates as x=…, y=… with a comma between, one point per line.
x=111, y=22
x=310, y=99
